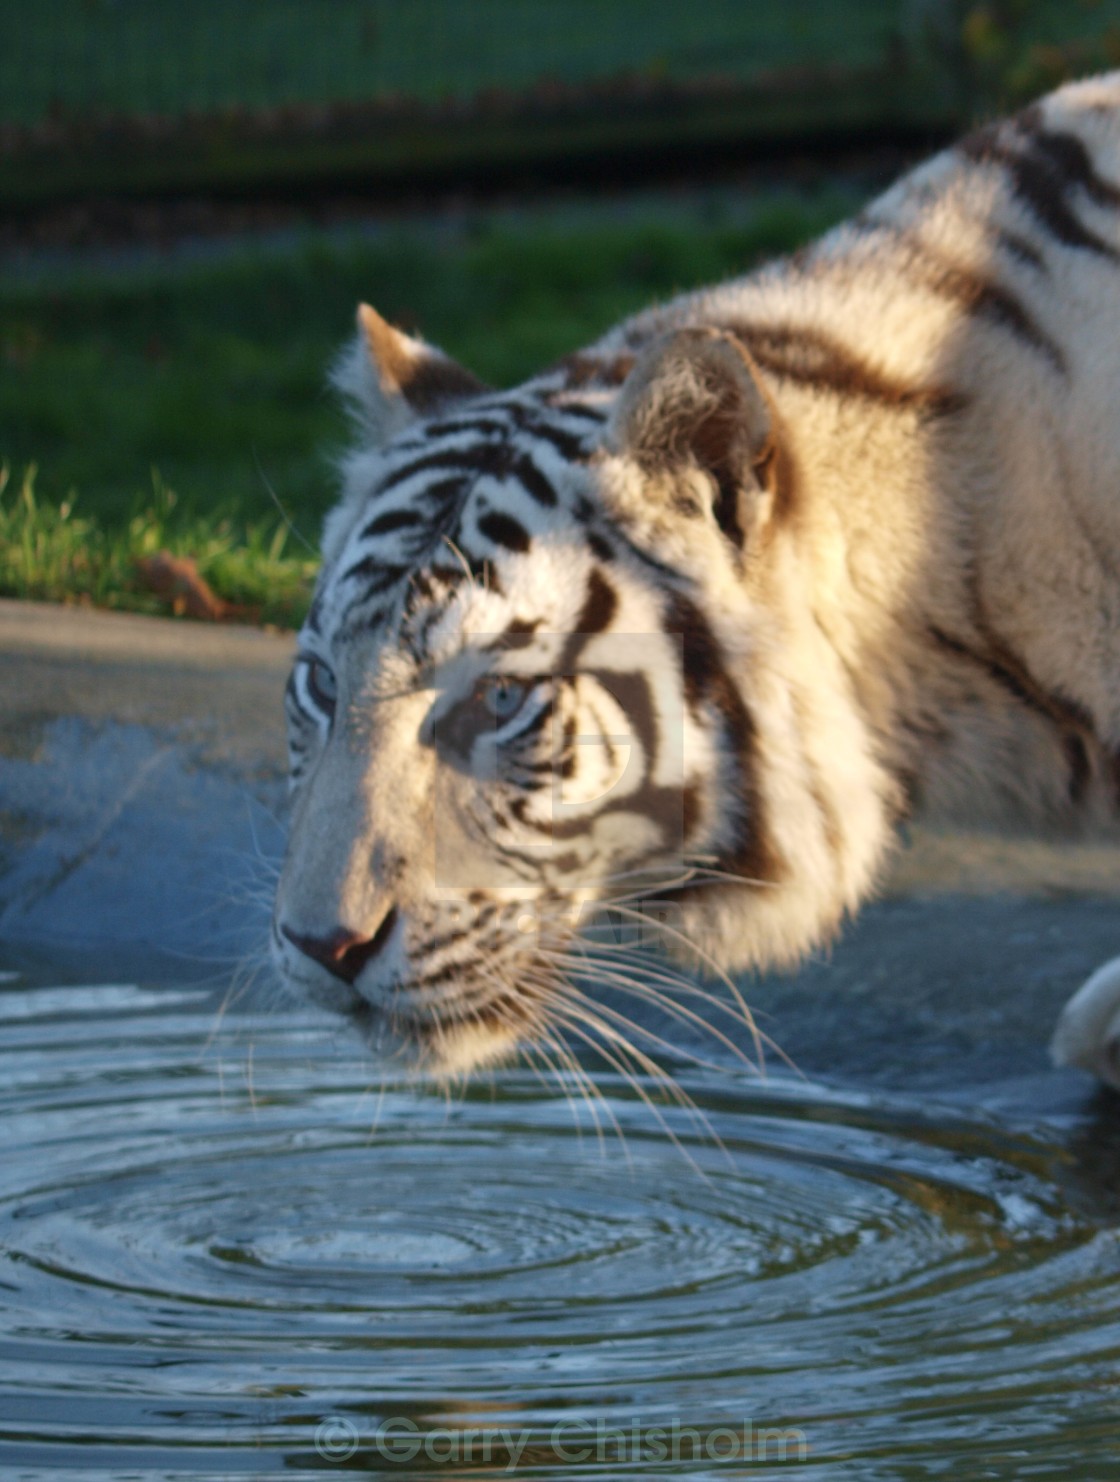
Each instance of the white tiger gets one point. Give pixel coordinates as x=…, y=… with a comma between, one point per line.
x=703, y=611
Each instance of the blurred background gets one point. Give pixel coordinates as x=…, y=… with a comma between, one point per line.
x=194, y=194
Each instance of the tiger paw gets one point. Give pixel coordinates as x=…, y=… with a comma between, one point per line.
x=1088, y=1030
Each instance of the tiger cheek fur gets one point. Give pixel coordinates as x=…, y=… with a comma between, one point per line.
x=708, y=607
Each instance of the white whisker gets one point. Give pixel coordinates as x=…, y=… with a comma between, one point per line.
x=634, y=987
x=713, y=965
x=581, y=1024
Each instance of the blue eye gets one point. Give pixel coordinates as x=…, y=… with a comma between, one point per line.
x=322, y=684
x=502, y=696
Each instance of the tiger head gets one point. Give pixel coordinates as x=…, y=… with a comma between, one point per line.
x=542, y=671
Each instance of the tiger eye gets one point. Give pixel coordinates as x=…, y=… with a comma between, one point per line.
x=502, y=696
x=322, y=684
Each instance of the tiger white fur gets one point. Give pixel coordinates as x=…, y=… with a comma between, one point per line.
x=705, y=610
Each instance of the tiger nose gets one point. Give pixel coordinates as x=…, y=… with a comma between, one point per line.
x=343, y=953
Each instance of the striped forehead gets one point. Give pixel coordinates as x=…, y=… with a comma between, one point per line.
x=453, y=501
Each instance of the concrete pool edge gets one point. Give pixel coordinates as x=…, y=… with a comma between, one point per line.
x=141, y=778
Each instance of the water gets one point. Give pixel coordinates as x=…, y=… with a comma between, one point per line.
x=225, y=1253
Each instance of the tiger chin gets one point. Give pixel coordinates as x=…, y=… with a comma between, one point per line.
x=700, y=614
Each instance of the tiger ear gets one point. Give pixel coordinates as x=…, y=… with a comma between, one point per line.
x=695, y=399
x=389, y=378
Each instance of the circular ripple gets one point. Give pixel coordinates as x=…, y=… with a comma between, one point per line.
x=209, y=1231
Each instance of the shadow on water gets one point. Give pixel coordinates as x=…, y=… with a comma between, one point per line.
x=234, y=1255
x=1092, y=1177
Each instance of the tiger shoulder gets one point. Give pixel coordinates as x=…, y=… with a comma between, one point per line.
x=833, y=544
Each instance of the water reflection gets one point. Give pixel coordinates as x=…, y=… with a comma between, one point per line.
x=240, y=1257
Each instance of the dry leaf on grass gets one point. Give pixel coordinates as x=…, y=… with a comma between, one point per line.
x=178, y=581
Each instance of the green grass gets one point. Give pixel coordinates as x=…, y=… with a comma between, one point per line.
x=213, y=375
x=51, y=551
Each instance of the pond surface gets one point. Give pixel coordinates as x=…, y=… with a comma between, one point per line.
x=224, y=1252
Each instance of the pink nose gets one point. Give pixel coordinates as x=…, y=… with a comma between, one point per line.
x=343, y=953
